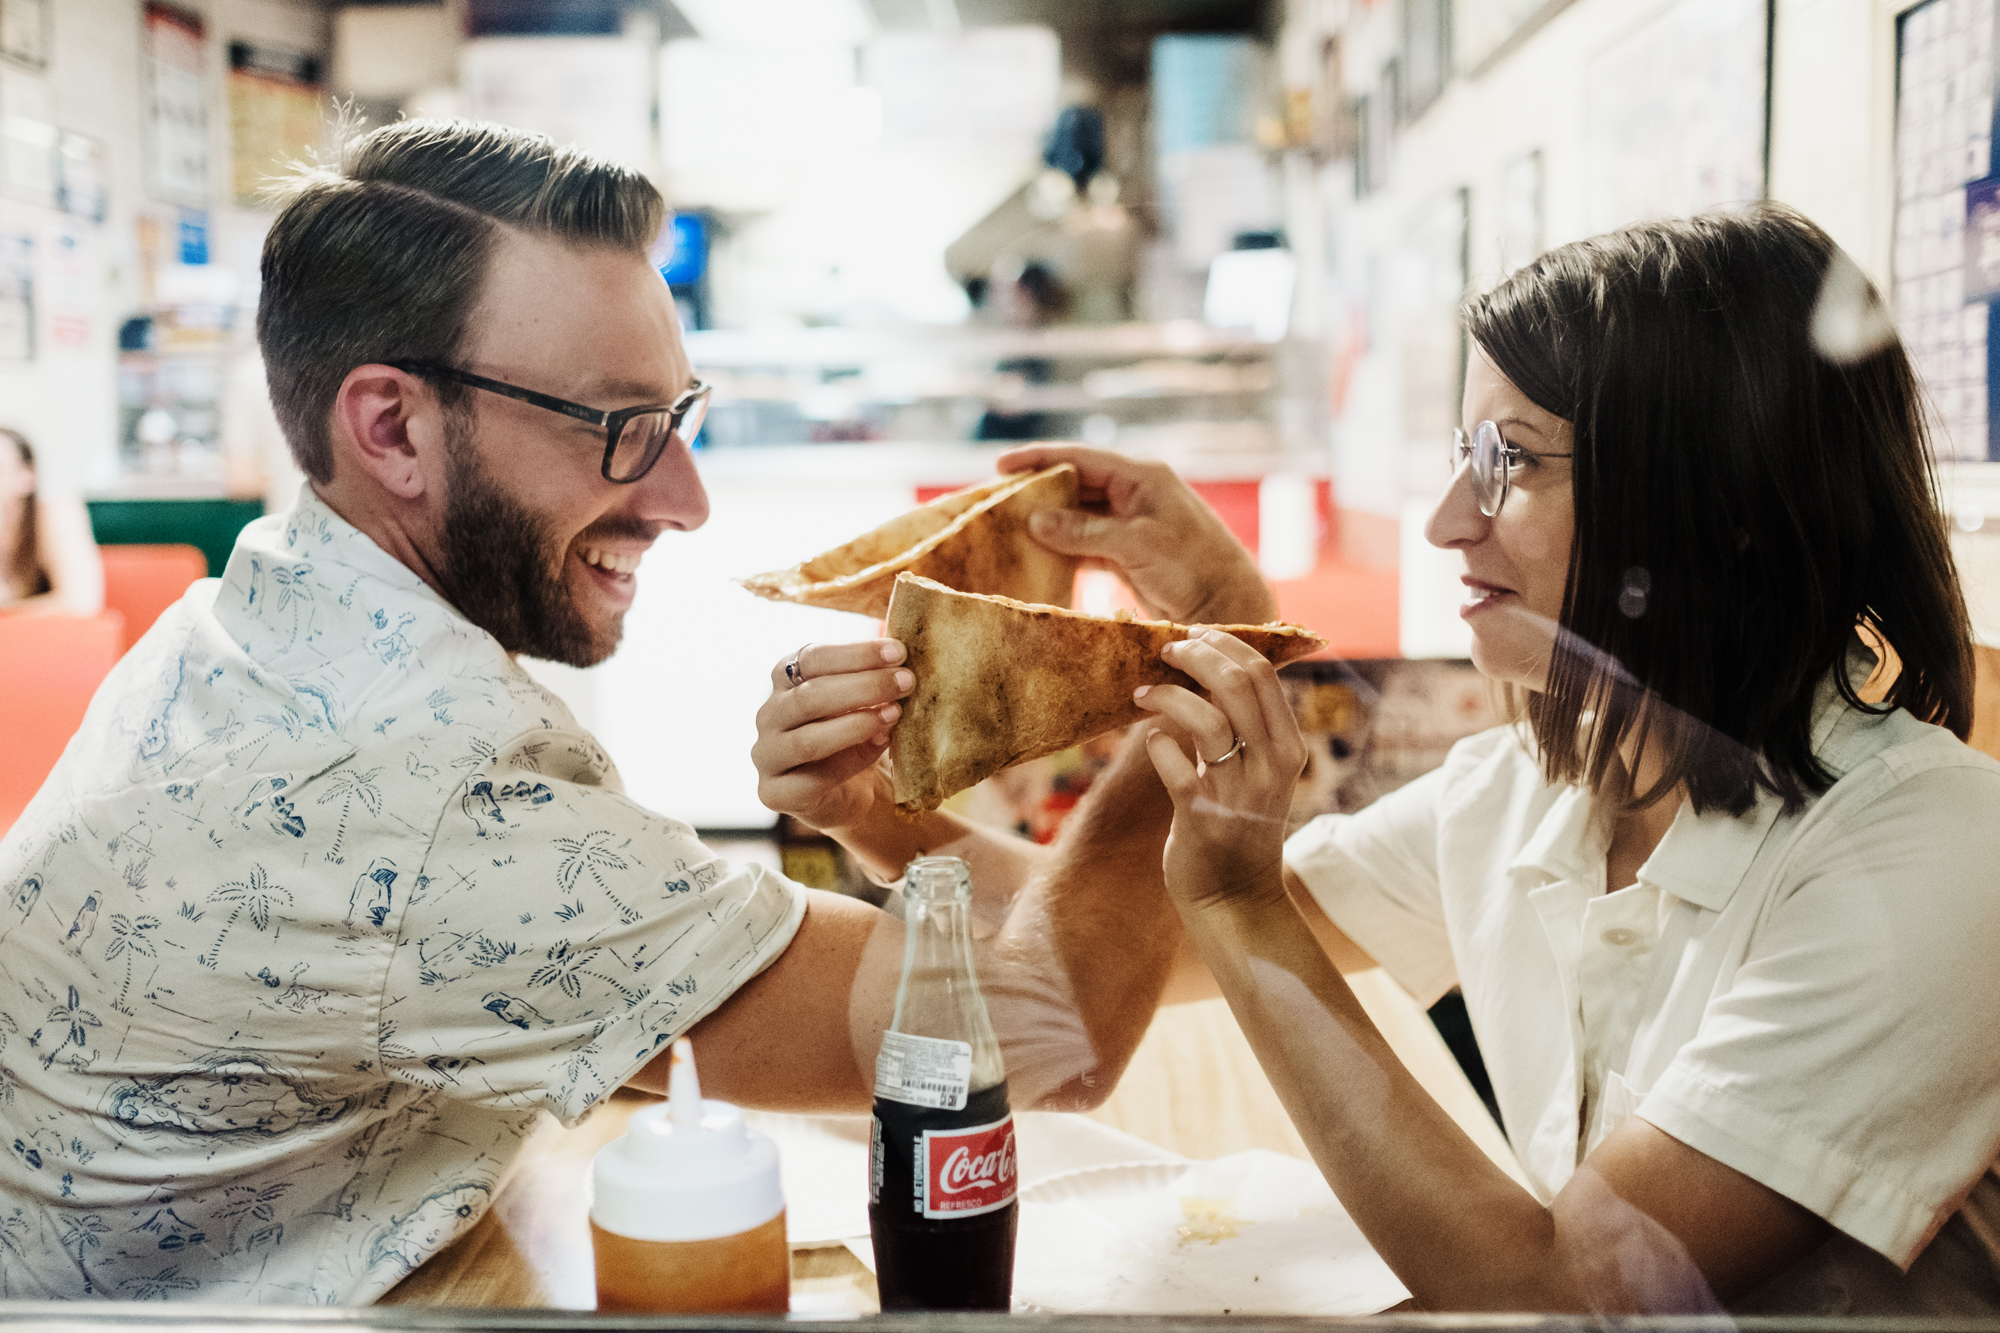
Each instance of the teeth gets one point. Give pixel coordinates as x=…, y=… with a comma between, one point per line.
x=617, y=562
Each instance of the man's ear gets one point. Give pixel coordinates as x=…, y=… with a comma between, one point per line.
x=384, y=422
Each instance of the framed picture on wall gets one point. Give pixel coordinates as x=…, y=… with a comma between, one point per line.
x=175, y=105
x=24, y=32
x=27, y=138
x=81, y=183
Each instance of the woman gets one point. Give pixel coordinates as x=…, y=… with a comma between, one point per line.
x=48, y=561
x=1725, y=931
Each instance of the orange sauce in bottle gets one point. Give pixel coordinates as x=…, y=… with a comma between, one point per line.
x=748, y=1273
x=687, y=1215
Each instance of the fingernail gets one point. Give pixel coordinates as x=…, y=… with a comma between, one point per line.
x=1212, y=635
x=892, y=652
x=1140, y=693
x=889, y=712
x=904, y=680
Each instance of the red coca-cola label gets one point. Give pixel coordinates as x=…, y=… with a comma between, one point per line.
x=969, y=1171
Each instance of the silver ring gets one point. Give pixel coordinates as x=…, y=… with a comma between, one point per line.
x=795, y=676
x=1234, y=750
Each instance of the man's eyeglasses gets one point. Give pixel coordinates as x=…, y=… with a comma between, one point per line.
x=634, y=437
x=1493, y=462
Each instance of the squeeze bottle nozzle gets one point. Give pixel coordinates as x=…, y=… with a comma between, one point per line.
x=683, y=1088
x=687, y=1170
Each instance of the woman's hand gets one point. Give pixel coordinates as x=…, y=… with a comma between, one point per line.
x=819, y=740
x=1230, y=800
x=1140, y=520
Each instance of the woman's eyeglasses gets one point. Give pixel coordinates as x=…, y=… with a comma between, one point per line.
x=1493, y=462
x=634, y=437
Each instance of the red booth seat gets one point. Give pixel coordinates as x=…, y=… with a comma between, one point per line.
x=50, y=666
x=142, y=581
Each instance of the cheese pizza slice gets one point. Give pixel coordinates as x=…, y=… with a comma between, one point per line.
x=976, y=540
x=1001, y=681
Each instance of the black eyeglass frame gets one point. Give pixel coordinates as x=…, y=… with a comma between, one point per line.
x=613, y=422
x=1464, y=452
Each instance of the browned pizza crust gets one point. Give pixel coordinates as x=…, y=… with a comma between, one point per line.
x=1000, y=681
x=976, y=539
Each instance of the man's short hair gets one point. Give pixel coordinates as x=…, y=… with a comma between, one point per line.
x=382, y=258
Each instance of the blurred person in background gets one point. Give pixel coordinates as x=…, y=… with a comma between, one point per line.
x=1724, y=899
x=51, y=565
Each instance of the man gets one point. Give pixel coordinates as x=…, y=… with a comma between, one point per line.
x=328, y=902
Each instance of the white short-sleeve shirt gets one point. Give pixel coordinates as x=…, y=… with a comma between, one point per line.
x=326, y=904
x=1811, y=999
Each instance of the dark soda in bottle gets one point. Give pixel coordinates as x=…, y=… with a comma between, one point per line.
x=942, y=1208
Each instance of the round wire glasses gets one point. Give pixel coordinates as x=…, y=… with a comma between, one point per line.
x=1493, y=462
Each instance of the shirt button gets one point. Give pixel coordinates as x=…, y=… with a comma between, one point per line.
x=1620, y=936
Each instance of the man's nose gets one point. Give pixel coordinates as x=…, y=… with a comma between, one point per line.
x=1456, y=522
x=672, y=493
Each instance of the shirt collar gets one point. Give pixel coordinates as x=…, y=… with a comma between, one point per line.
x=1568, y=842
x=311, y=530
x=1702, y=859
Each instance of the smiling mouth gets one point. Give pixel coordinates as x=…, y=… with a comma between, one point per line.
x=1480, y=595
x=611, y=562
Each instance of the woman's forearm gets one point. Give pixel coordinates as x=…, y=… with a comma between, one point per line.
x=1458, y=1232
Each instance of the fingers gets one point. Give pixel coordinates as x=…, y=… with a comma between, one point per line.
x=1093, y=466
x=829, y=659
x=1276, y=709
x=1176, y=773
x=1244, y=687
x=1128, y=485
x=779, y=749
x=1078, y=532
x=1208, y=727
x=830, y=696
x=804, y=791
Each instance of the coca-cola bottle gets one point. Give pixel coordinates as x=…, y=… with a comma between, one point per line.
x=941, y=1205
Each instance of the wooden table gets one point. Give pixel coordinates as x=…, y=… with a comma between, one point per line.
x=1193, y=1086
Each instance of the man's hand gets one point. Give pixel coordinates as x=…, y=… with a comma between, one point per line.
x=819, y=740
x=1140, y=520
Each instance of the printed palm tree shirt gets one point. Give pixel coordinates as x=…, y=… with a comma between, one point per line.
x=324, y=907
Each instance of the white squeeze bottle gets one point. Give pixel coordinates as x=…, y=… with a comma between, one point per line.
x=687, y=1215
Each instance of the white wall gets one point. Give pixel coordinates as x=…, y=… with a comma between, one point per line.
x=1831, y=155
x=67, y=400
x=1833, y=121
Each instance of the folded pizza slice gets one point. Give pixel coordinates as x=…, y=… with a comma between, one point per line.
x=1000, y=681
x=976, y=540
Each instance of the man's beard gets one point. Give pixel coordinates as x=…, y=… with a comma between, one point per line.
x=503, y=568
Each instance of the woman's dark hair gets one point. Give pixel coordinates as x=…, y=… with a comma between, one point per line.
x=1746, y=496
x=25, y=547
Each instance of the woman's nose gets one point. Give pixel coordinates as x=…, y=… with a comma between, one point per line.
x=1456, y=521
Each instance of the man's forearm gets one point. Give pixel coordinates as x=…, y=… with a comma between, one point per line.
x=1096, y=911
x=886, y=840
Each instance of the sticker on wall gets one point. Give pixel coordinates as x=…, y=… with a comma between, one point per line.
x=17, y=298
x=176, y=112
